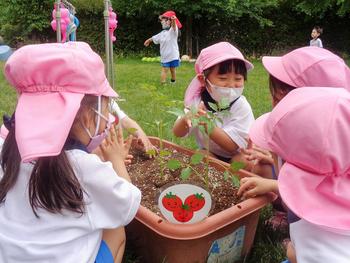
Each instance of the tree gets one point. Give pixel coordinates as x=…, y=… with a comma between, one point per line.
x=319, y=7
x=192, y=12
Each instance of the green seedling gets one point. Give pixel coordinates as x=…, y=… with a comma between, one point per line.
x=206, y=124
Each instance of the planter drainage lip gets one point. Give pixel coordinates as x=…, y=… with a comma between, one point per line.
x=211, y=223
x=205, y=227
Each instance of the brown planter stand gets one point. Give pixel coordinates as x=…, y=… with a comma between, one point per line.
x=224, y=237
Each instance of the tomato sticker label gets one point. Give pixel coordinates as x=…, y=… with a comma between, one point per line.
x=228, y=248
x=184, y=203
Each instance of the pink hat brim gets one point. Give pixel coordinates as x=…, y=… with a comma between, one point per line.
x=320, y=199
x=275, y=67
x=257, y=132
x=249, y=66
x=43, y=122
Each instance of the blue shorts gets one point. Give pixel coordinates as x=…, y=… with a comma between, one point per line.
x=172, y=64
x=104, y=255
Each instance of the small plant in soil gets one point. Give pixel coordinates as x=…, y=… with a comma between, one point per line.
x=205, y=124
x=162, y=154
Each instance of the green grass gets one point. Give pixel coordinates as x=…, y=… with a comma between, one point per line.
x=147, y=101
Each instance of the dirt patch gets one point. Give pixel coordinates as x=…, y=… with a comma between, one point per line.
x=146, y=175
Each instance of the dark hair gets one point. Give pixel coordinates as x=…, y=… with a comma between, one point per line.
x=318, y=29
x=227, y=66
x=53, y=185
x=275, y=84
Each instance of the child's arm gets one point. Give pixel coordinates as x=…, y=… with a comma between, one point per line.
x=221, y=138
x=253, y=186
x=182, y=126
x=173, y=22
x=147, y=42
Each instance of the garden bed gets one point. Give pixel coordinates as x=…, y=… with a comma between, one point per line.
x=146, y=175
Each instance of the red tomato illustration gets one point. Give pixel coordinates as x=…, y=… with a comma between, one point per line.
x=171, y=202
x=195, y=201
x=183, y=214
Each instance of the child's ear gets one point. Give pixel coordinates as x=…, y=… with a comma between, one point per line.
x=87, y=118
x=201, y=79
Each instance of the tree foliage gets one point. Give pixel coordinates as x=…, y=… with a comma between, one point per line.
x=256, y=26
x=320, y=7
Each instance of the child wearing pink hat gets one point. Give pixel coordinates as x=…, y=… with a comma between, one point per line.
x=59, y=202
x=302, y=67
x=221, y=71
x=169, y=49
x=310, y=130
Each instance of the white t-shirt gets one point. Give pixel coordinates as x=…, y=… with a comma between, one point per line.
x=169, y=49
x=315, y=244
x=110, y=200
x=236, y=125
x=116, y=109
x=316, y=42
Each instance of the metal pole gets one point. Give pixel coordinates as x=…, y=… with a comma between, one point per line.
x=107, y=42
x=58, y=21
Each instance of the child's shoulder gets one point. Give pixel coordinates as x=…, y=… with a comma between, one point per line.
x=241, y=104
x=88, y=163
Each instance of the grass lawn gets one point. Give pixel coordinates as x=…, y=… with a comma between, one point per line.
x=147, y=101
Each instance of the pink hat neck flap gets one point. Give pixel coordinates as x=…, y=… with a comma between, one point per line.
x=51, y=80
x=310, y=130
x=209, y=57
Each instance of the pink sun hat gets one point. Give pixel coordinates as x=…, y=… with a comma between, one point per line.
x=309, y=67
x=209, y=57
x=310, y=130
x=51, y=80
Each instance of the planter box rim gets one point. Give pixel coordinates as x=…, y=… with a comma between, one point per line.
x=211, y=223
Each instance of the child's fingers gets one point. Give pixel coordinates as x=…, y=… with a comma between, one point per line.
x=250, y=193
x=120, y=135
x=189, y=123
x=246, y=184
x=127, y=143
x=113, y=133
x=250, y=143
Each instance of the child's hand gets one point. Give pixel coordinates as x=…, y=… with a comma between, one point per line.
x=144, y=144
x=113, y=148
x=257, y=155
x=147, y=42
x=253, y=186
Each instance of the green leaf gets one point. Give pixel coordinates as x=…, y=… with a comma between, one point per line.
x=196, y=158
x=202, y=129
x=185, y=173
x=131, y=130
x=213, y=106
x=177, y=112
x=164, y=153
x=224, y=103
x=151, y=152
x=210, y=127
x=226, y=175
x=235, y=180
x=174, y=164
x=195, y=122
x=235, y=166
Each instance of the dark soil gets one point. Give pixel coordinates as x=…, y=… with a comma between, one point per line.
x=145, y=174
